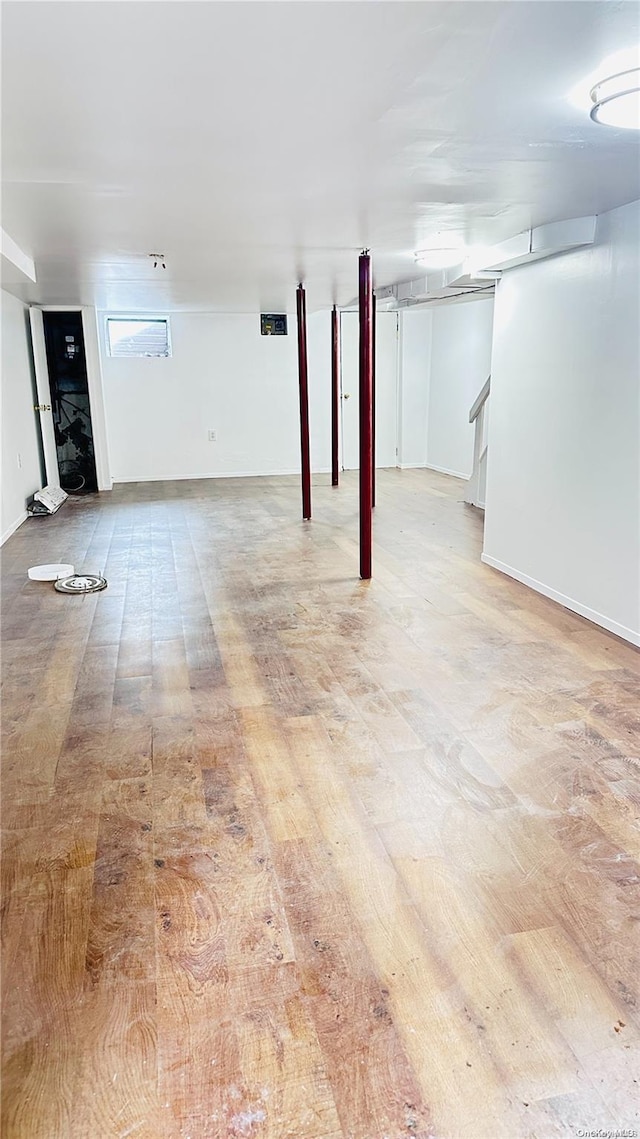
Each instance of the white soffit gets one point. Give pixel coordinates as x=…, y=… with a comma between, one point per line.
x=534, y=245
x=476, y=274
x=438, y=284
x=17, y=266
x=561, y=236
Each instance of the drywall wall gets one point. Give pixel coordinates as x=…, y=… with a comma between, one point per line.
x=386, y=388
x=415, y=368
x=21, y=474
x=460, y=363
x=223, y=376
x=563, y=487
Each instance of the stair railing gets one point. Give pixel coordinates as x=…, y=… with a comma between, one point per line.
x=479, y=414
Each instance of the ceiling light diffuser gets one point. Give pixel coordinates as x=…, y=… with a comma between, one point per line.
x=611, y=93
x=616, y=100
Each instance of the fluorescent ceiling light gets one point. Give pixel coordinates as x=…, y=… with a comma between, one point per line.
x=611, y=93
x=440, y=258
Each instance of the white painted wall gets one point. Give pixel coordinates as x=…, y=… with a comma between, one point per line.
x=223, y=376
x=460, y=364
x=563, y=490
x=20, y=452
x=415, y=369
x=387, y=334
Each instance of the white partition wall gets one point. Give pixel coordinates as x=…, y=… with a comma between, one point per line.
x=415, y=368
x=563, y=491
x=21, y=475
x=460, y=364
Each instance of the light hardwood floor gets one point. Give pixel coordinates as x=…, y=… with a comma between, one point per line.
x=291, y=856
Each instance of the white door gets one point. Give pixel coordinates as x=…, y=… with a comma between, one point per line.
x=386, y=388
x=44, y=397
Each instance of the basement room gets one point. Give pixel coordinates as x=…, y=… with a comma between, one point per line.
x=320, y=566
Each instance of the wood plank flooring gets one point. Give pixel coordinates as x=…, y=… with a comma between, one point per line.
x=291, y=856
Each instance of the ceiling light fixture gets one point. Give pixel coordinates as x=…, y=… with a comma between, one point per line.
x=611, y=93
x=616, y=100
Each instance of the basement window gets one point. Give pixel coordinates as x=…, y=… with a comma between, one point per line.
x=138, y=336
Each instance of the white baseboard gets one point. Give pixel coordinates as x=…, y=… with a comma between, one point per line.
x=445, y=471
x=411, y=466
x=14, y=526
x=567, y=602
x=217, y=475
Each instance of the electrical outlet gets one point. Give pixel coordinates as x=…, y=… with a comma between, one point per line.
x=19, y=457
x=212, y=436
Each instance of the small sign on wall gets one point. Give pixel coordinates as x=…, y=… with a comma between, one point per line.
x=273, y=324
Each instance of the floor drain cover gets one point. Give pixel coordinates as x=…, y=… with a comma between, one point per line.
x=81, y=583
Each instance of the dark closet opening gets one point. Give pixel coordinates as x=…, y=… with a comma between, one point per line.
x=70, y=407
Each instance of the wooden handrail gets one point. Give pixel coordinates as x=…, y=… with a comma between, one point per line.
x=483, y=395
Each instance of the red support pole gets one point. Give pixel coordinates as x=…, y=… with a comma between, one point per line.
x=366, y=413
x=374, y=310
x=335, y=396
x=301, y=308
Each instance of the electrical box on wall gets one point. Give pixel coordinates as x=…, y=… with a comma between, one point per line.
x=273, y=324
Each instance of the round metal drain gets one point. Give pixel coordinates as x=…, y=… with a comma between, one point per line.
x=81, y=583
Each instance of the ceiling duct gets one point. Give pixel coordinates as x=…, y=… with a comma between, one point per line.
x=435, y=287
x=386, y=298
x=476, y=276
x=533, y=245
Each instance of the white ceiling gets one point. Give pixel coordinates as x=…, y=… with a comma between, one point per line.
x=256, y=143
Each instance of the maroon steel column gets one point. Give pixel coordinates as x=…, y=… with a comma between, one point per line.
x=301, y=308
x=374, y=310
x=366, y=414
x=335, y=396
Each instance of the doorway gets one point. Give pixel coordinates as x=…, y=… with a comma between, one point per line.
x=386, y=389
x=70, y=408
x=69, y=386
